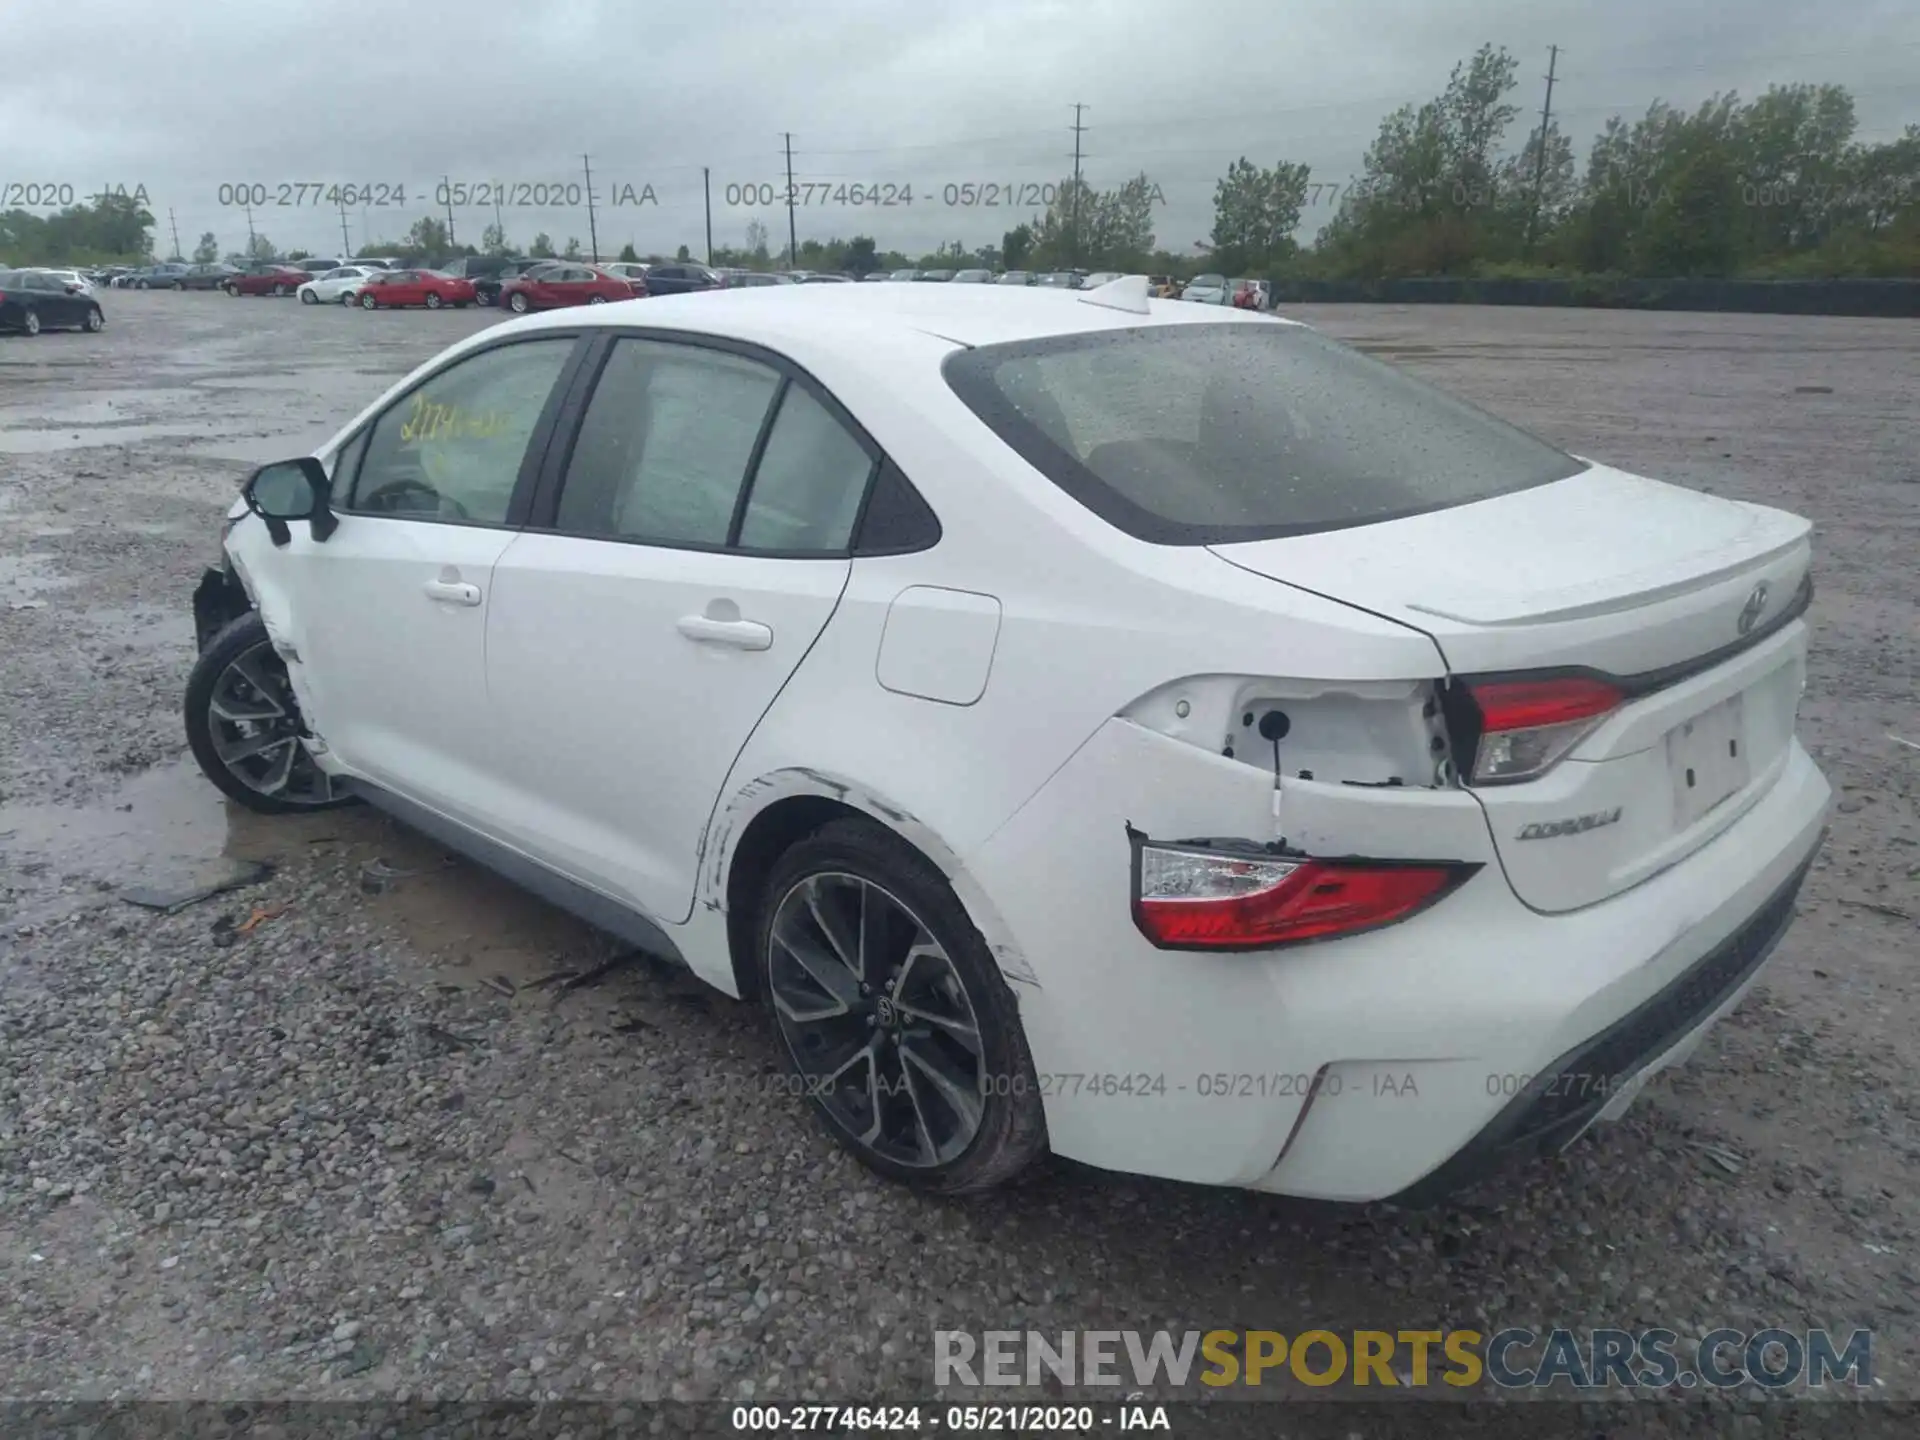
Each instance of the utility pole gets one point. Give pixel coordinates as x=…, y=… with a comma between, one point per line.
x=346, y=243
x=706, y=184
x=1540, y=158
x=1073, y=238
x=499, y=225
x=446, y=192
x=793, y=235
x=250, y=254
x=593, y=232
x=176, y=234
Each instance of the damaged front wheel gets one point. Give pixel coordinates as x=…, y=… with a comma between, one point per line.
x=244, y=724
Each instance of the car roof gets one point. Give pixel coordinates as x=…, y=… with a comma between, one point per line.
x=866, y=317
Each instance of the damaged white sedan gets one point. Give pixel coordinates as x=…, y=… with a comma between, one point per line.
x=1147, y=732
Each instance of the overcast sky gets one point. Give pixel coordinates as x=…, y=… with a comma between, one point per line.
x=195, y=96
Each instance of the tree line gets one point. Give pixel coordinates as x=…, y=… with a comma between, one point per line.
x=1775, y=186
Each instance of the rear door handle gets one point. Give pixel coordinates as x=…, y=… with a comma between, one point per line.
x=452, y=592
x=738, y=634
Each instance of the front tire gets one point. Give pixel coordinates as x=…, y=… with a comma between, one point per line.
x=234, y=291
x=368, y=302
x=244, y=725
x=96, y=321
x=32, y=323
x=894, y=1014
x=517, y=303
x=141, y=285
x=307, y=297
x=433, y=301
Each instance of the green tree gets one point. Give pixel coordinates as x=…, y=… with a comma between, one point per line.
x=542, y=247
x=1016, y=245
x=683, y=254
x=427, y=237
x=259, y=247
x=207, y=251
x=860, y=257
x=1255, y=213
x=757, y=243
x=572, y=251
x=493, y=240
x=628, y=254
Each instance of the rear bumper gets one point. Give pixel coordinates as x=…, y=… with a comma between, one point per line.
x=1357, y=1069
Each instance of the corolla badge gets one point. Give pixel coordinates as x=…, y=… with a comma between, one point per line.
x=1755, y=607
x=1578, y=825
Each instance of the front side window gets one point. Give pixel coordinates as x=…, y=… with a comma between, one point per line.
x=665, y=443
x=1215, y=433
x=451, y=449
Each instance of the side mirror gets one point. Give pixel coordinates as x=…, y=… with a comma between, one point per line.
x=292, y=490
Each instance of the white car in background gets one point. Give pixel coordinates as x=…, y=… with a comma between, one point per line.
x=1161, y=735
x=74, y=278
x=1208, y=290
x=627, y=269
x=336, y=287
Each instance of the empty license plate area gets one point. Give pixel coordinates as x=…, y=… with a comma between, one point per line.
x=1707, y=760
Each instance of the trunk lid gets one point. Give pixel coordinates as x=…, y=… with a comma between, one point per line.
x=1677, y=594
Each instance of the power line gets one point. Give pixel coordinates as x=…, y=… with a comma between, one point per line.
x=1073, y=235
x=1540, y=158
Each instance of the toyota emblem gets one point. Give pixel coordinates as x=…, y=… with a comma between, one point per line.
x=1755, y=607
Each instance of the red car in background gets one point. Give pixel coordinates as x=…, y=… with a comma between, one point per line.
x=266, y=278
x=392, y=289
x=565, y=284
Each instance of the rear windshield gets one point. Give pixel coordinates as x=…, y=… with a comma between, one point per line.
x=1213, y=433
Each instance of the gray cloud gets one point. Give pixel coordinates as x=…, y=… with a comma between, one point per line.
x=277, y=93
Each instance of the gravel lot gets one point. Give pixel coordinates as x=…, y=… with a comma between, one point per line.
x=345, y=1134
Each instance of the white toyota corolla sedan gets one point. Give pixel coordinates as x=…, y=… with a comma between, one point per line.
x=1142, y=731
x=338, y=286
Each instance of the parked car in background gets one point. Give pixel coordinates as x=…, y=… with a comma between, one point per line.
x=555, y=286
x=339, y=286
x=750, y=278
x=167, y=276
x=627, y=269
x=973, y=277
x=1163, y=287
x=65, y=277
x=212, y=276
x=382, y=262
x=904, y=275
x=1014, y=277
x=1252, y=295
x=403, y=289
x=822, y=277
x=266, y=277
x=941, y=276
x=875, y=275
x=1101, y=277
x=317, y=265
x=681, y=277
x=486, y=288
x=1208, y=290
x=1059, y=280
x=36, y=300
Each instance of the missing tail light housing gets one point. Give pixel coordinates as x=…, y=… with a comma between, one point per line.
x=1505, y=731
x=1219, y=896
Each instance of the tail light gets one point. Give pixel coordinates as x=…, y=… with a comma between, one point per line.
x=1520, y=729
x=1195, y=897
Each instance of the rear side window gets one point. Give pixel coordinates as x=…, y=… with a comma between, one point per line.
x=810, y=481
x=1206, y=434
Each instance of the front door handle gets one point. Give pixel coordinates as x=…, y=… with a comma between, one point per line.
x=453, y=592
x=738, y=634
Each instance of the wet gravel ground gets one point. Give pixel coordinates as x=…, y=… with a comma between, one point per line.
x=379, y=1125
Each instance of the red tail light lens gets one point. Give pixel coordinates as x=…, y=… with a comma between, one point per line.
x=1190, y=898
x=1528, y=726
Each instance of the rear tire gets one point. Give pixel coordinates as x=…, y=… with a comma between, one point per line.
x=234, y=291
x=31, y=324
x=433, y=301
x=517, y=303
x=96, y=321
x=921, y=1009
x=368, y=302
x=307, y=297
x=244, y=726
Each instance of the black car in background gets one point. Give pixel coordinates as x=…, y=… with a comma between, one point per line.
x=207, y=277
x=682, y=277
x=170, y=276
x=32, y=301
x=489, y=272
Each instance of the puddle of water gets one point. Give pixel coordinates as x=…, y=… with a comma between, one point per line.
x=56, y=442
